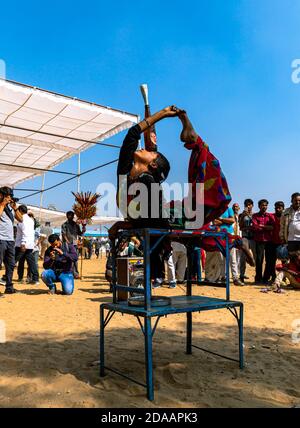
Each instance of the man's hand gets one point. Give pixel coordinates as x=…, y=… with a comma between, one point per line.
x=13, y=205
x=172, y=111
x=59, y=251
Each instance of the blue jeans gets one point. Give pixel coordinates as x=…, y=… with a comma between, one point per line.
x=66, y=279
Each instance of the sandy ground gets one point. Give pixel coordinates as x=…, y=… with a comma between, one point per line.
x=50, y=358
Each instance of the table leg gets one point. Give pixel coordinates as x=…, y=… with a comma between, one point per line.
x=101, y=341
x=241, y=339
x=148, y=356
x=189, y=333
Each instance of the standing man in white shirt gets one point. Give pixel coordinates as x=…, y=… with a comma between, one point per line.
x=25, y=241
x=290, y=224
x=235, y=255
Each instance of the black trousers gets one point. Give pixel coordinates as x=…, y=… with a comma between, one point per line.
x=263, y=251
x=7, y=257
x=27, y=255
x=271, y=257
x=75, y=264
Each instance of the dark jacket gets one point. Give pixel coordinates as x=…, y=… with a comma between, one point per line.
x=62, y=263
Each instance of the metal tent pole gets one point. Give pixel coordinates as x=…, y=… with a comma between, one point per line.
x=78, y=171
x=100, y=249
x=78, y=190
x=41, y=197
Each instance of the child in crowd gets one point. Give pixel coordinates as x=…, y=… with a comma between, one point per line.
x=289, y=269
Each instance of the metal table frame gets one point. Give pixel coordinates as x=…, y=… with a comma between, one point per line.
x=179, y=304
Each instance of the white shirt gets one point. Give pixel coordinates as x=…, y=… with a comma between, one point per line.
x=25, y=233
x=236, y=226
x=294, y=227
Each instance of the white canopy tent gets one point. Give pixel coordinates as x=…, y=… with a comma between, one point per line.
x=40, y=129
x=57, y=218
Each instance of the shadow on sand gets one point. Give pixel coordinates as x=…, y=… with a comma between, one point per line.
x=180, y=379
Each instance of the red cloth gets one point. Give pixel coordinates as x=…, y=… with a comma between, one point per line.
x=203, y=259
x=293, y=267
x=209, y=244
x=205, y=168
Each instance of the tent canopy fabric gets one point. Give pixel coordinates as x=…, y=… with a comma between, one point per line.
x=40, y=129
x=57, y=218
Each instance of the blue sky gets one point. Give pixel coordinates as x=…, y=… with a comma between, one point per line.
x=228, y=63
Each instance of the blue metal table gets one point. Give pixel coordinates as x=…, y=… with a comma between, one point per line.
x=178, y=304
